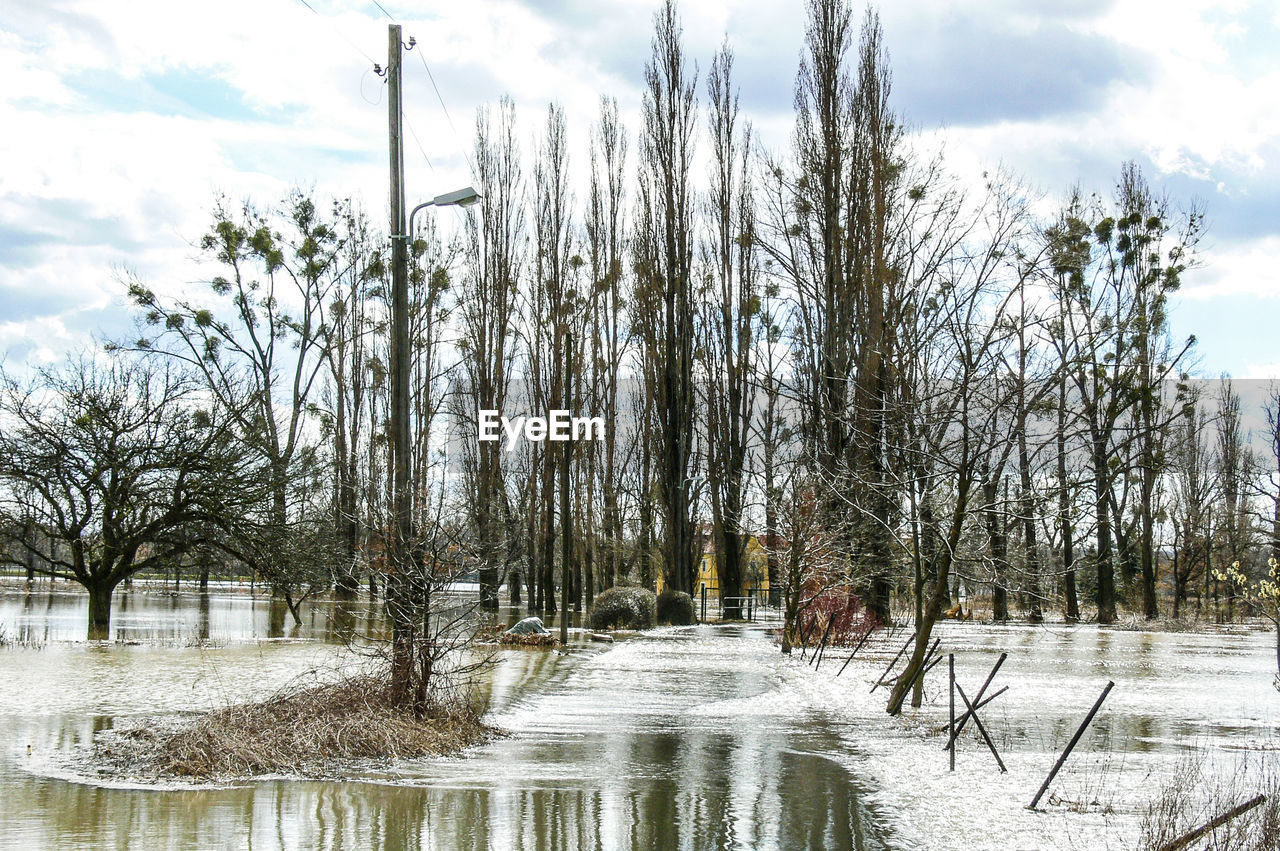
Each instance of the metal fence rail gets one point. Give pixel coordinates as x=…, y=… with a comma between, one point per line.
x=754, y=609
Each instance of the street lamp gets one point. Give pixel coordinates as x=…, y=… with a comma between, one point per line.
x=400, y=354
x=457, y=198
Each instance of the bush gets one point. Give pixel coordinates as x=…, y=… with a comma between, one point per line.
x=623, y=608
x=845, y=612
x=675, y=607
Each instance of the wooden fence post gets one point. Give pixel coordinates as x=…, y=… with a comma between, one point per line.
x=1071, y=745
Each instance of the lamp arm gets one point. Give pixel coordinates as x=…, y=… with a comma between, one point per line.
x=412, y=213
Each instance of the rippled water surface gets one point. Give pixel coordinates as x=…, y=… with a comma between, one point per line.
x=659, y=742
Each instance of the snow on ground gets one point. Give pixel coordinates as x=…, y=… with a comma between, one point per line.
x=1177, y=695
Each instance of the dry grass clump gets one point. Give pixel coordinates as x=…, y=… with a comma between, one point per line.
x=309, y=730
x=532, y=639
x=1193, y=796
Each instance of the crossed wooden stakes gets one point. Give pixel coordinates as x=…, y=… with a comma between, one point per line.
x=971, y=711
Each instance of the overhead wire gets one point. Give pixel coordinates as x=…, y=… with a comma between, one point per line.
x=457, y=139
x=338, y=32
x=408, y=123
x=430, y=77
x=421, y=149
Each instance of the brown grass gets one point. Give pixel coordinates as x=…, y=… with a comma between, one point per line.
x=1193, y=795
x=311, y=730
x=533, y=639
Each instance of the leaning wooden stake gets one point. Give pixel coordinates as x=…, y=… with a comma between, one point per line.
x=981, y=729
x=804, y=638
x=880, y=681
x=978, y=702
x=925, y=665
x=861, y=642
x=951, y=724
x=817, y=657
x=933, y=664
x=1187, y=839
x=942, y=728
x=1071, y=745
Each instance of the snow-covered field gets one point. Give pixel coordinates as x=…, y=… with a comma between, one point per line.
x=1178, y=697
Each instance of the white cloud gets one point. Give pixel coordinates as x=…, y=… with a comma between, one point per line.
x=98, y=176
x=1241, y=268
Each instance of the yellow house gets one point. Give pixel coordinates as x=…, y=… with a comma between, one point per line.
x=757, y=571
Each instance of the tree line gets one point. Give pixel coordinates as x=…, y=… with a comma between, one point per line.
x=905, y=386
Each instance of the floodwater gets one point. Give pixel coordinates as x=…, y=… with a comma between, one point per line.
x=647, y=743
x=1174, y=691
x=704, y=737
x=1184, y=704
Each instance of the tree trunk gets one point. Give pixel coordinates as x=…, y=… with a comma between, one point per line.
x=30, y=542
x=1106, y=575
x=1278, y=648
x=933, y=609
x=100, y=611
x=1032, y=559
x=917, y=693
x=489, y=588
x=999, y=552
x=513, y=588
x=294, y=607
x=1147, y=543
x=276, y=610
x=589, y=578
x=1179, y=581
x=548, y=584
x=1072, y=613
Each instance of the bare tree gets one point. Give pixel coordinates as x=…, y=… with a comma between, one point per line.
x=121, y=466
x=263, y=337
x=1233, y=464
x=830, y=235
x=610, y=337
x=1273, y=469
x=728, y=326
x=664, y=248
x=1193, y=489
x=495, y=263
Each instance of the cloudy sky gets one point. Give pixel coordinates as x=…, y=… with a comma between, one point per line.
x=125, y=118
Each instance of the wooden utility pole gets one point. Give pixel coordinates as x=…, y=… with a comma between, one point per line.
x=566, y=525
x=399, y=298
x=402, y=650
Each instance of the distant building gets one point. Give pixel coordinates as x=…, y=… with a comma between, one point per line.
x=755, y=580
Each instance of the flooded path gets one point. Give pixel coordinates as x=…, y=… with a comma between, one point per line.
x=664, y=741
x=703, y=737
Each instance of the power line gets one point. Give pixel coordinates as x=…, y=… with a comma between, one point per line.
x=421, y=149
x=443, y=106
x=338, y=32
x=457, y=140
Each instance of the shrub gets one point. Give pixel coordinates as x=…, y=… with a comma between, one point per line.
x=675, y=607
x=623, y=608
x=844, y=610
x=528, y=639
